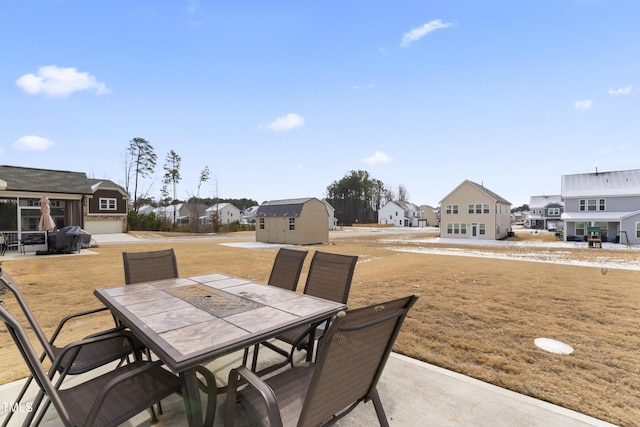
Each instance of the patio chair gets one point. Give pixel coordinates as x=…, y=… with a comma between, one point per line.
x=330, y=278
x=346, y=372
x=287, y=268
x=284, y=274
x=148, y=266
x=114, y=345
x=108, y=399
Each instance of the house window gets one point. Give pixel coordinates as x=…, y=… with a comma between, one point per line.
x=449, y=228
x=482, y=229
x=593, y=204
x=463, y=228
x=554, y=211
x=108, y=204
x=261, y=223
x=485, y=208
x=470, y=209
x=637, y=229
x=456, y=228
x=292, y=224
x=452, y=209
x=580, y=228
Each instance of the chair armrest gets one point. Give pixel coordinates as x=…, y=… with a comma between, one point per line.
x=74, y=348
x=211, y=389
x=252, y=381
x=73, y=316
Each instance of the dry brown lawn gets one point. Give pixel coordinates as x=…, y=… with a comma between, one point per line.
x=476, y=316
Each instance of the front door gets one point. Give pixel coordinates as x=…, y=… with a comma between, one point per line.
x=474, y=231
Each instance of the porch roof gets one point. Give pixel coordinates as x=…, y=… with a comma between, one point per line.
x=596, y=216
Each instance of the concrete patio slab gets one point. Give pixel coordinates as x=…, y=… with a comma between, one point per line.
x=413, y=394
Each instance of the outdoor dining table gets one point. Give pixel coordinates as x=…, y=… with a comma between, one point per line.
x=187, y=322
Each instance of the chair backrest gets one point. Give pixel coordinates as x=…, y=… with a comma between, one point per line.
x=8, y=283
x=352, y=357
x=286, y=268
x=148, y=266
x=330, y=276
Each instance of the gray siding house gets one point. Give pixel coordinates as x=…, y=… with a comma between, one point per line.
x=545, y=212
x=608, y=200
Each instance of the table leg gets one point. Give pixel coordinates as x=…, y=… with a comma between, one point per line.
x=191, y=396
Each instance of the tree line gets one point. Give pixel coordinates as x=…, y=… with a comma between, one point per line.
x=358, y=196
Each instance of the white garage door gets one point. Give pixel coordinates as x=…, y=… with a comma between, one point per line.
x=103, y=227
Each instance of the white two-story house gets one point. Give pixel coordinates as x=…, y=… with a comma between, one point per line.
x=400, y=214
x=225, y=213
x=608, y=200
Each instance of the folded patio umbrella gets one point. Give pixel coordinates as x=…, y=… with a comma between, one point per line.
x=46, y=222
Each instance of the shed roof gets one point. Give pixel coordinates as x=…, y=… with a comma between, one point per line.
x=282, y=208
x=44, y=180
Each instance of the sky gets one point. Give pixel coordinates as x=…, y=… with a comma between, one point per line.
x=281, y=99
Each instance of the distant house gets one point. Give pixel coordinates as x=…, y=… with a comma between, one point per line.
x=107, y=208
x=519, y=217
x=429, y=216
x=293, y=221
x=545, y=212
x=399, y=213
x=607, y=200
x=472, y=211
x=181, y=213
x=226, y=213
x=145, y=209
x=248, y=216
x=331, y=211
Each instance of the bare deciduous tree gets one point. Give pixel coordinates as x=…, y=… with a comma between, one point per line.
x=403, y=194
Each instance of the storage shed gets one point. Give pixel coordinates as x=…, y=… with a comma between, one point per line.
x=293, y=221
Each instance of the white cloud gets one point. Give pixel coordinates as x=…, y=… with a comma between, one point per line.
x=378, y=158
x=583, y=105
x=32, y=143
x=284, y=123
x=621, y=91
x=418, y=33
x=59, y=82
